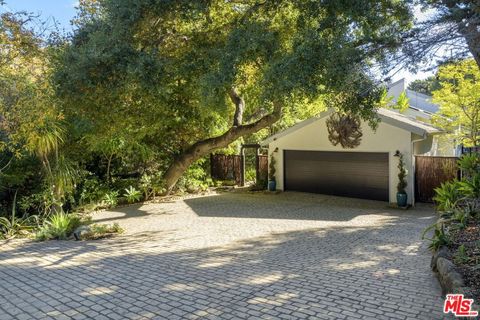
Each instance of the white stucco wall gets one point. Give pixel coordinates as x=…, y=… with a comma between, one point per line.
x=314, y=136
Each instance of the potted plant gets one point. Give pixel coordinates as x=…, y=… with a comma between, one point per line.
x=402, y=181
x=272, y=182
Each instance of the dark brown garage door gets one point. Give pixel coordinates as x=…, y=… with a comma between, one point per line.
x=349, y=174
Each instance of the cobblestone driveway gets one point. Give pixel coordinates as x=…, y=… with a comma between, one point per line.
x=234, y=255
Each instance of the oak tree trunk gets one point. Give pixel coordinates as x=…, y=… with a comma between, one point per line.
x=205, y=147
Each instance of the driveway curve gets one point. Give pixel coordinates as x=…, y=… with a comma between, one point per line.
x=232, y=256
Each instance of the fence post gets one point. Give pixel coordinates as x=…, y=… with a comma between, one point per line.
x=242, y=168
x=257, y=168
x=212, y=174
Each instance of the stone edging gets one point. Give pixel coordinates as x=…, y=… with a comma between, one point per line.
x=448, y=276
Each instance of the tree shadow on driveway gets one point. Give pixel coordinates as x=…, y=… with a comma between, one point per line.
x=323, y=273
x=293, y=206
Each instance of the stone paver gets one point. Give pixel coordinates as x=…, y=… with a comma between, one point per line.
x=232, y=256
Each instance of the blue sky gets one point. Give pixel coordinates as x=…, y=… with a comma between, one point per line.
x=64, y=10
x=61, y=10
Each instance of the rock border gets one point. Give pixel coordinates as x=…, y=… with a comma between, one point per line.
x=450, y=279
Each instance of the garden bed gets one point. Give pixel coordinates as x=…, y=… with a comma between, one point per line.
x=465, y=245
x=456, y=237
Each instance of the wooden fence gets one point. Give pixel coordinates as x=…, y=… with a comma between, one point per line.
x=430, y=173
x=226, y=167
x=262, y=168
x=231, y=167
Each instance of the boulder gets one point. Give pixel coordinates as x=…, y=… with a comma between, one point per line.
x=450, y=279
x=443, y=252
x=81, y=232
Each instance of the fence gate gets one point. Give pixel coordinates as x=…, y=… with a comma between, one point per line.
x=231, y=167
x=226, y=167
x=430, y=173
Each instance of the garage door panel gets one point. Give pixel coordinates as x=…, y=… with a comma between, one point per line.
x=356, y=180
x=353, y=169
x=352, y=174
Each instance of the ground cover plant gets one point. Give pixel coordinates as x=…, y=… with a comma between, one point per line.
x=458, y=205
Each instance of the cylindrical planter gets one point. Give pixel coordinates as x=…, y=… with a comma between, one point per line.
x=272, y=185
x=402, y=199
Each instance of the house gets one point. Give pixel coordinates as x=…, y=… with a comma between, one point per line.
x=307, y=161
x=421, y=108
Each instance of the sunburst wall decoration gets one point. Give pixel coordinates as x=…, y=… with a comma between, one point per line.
x=344, y=129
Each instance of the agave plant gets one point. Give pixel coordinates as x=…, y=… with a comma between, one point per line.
x=14, y=227
x=59, y=226
x=132, y=195
x=111, y=198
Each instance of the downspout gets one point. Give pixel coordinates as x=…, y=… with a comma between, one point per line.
x=425, y=136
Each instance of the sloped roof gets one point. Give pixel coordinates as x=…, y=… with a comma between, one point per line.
x=386, y=116
x=417, y=100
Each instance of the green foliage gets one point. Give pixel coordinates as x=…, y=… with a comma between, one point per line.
x=439, y=238
x=195, y=178
x=447, y=196
x=459, y=100
x=457, y=201
x=250, y=174
x=151, y=185
x=110, y=199
x=403, y=103
x=99, y=231
x=59, y=226
x=469, y=164
x=121, y=99
x=460, y=219
x=470, y=188
x=271, y=168
x=132, y=195
x=425, y=86
x=166, y=88
x=461, y=255
x=402, y=174
x=464, y=194
x=16, y=227
x=92, y=191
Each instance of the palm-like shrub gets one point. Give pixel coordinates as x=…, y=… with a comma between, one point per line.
x=447, y=196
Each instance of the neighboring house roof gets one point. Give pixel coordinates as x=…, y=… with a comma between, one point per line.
x=417, y=100
x=421, y=101
x=386, y=116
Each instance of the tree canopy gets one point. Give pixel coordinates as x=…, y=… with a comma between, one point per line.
x=459, y=100
x=449, y=31
x=425, y=86
x=191, y=77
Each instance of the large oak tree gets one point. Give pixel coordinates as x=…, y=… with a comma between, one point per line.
x=193, y=76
